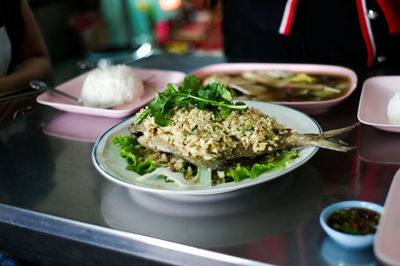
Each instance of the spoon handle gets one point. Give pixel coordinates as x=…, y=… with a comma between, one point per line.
x=37, y=85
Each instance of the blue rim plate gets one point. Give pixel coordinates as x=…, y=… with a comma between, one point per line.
x=109, y=163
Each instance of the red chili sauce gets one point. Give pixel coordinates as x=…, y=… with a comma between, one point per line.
x=355, y=221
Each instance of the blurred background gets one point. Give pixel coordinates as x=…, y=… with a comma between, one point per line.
x=121, y=30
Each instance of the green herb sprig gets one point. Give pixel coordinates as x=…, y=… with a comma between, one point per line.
x=214, y=96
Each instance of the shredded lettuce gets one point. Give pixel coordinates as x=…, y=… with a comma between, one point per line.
x=163, y=175
x=203, y=176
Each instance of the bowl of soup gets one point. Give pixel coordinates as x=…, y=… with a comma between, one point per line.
x=310, y=88
x=351, y=223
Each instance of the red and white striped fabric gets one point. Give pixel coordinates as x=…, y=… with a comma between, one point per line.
x=288, y=17
x=390, y=8
x=366, y=31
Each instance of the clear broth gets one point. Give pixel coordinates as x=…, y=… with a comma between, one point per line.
x=336, y=85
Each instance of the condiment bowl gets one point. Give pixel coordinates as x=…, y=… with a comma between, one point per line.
x=347, y=239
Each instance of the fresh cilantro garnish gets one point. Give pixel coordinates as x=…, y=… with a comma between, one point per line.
x=215, y=97
x=248, y=128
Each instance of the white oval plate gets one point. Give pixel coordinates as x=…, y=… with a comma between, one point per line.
x=111, y=165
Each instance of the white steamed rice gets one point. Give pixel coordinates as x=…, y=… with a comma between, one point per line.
x=393, y=109
x=113, y=85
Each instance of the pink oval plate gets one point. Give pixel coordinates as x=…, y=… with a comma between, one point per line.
x=375, y=95
x=386, y=245
x=157, y=79
x=315, y=107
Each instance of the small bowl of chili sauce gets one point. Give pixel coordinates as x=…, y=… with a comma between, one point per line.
x=351, y=223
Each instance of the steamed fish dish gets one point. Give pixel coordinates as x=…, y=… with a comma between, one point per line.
x=196, y=136
x=194, y=130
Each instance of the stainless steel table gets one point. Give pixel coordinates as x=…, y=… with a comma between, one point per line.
x=56, y=209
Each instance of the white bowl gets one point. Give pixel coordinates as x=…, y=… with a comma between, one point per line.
x=349, y=240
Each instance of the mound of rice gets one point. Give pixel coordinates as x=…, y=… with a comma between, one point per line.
x=393, y=109
x=113, y=85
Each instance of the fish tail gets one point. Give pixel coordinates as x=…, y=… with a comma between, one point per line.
x=335, y=132
x=326, y=139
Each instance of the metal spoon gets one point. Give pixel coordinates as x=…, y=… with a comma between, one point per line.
x=144, y=50
x=40, y=85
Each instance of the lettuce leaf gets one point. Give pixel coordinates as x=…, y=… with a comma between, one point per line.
x=129, y=149
x=257, y=169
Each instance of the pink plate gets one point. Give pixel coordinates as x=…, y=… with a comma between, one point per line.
x=386, y=244
x=315, y=107
x=158, y=79
x=375, y=96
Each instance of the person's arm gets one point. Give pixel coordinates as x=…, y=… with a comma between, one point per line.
x=35, y=61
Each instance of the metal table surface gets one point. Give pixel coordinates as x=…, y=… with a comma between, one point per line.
x=56, y=209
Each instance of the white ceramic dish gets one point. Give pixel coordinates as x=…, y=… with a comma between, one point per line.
x=109, y=163
x=316, y=107
x=375, y=96
x=158, y=79
x=348, y=240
